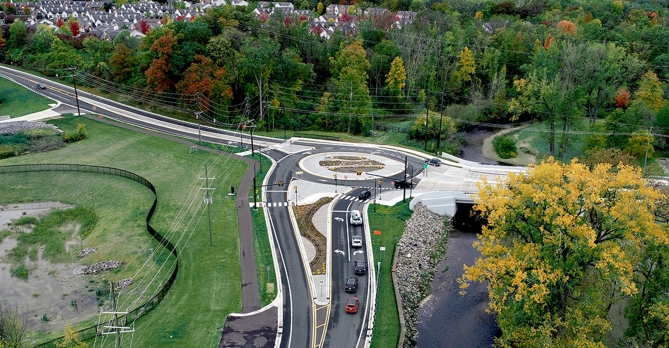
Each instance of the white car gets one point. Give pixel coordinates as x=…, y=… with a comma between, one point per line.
x=356, y=241
x=356, y=217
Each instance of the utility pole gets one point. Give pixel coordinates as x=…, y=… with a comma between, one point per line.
x=199, y=133
x=252, y=153
x=441, y=107
x=645, y=159
x=285, y=125
x=113, y=327
x=76, y=94
x=208, y=200
x=350, y=107
x=427, y=118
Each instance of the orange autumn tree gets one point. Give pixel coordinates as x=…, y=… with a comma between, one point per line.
x=205, y=77
x=567, y=27
x=157, y=76
x=559, y=246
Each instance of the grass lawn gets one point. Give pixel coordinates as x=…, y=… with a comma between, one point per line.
x=208, y=287
x=390, y=221
x=19, y=101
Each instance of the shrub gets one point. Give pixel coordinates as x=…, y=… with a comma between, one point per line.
x=505, y=146
x=20, y=272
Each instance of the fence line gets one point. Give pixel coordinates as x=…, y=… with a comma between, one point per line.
x=93, y=331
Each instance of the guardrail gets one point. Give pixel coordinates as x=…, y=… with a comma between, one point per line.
x=125, y=320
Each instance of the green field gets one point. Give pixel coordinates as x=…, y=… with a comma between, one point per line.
x=208, y=287
x=19, y=101
x=390, y=222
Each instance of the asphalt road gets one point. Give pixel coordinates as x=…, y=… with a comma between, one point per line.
x=298, y=304
x=344, y=329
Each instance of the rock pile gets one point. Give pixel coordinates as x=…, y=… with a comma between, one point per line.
x=86, y=252
x=419, y=251
x=123, y=283
x=14, y=127
x=103, y=266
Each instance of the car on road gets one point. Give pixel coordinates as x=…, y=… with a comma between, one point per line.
x=364, y=195
x=356, y=242
x=351, y=284
x=403, y=184
x=352, y=305
x=356, y=217
x=360, y=267
x=40, y=86
x=434, y=162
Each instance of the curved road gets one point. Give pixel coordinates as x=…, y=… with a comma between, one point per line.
x=298, y=307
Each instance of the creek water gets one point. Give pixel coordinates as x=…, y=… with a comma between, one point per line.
x=446, y=318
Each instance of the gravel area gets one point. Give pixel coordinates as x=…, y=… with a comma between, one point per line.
x=18, y=126
x=420, y=250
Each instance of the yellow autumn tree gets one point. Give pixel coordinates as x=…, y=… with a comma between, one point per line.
x=397, y=77
x=650, y=91
x=558, y=245
x=71, y=339
x=466, y=66
x=319, y=8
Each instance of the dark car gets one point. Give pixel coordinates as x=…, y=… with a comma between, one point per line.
x=364, y=195
x=352, y=305
x=360, y=267
x=40, y=86
x=403, y=184
x=351, y=284
x=434, y=162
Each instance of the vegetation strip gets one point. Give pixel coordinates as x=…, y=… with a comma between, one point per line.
x=305, y=214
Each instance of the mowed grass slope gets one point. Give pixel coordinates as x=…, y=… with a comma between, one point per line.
x=19, y=101
x=390, y=222
x=209, y=283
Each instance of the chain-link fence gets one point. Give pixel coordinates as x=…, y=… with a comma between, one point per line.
x=125, y=320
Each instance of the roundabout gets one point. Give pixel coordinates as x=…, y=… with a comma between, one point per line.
x=350, y=165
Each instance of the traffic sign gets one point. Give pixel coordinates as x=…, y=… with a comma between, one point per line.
x=335, y=176
x=425, y=165
x=280, y=183
x=345, y=177
x=358, y=172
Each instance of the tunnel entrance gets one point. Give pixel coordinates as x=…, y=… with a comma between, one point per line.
x=464, y=220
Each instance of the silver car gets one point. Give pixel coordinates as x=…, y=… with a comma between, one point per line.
x=356, y=217
x=356, y=241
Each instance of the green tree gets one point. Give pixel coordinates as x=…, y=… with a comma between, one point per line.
x=396, y=78
x=259, y=60
x=351, y=68
x=559, y=246
x=466, y=66
x=18, y=35
x=122, y=63
x=650, y=91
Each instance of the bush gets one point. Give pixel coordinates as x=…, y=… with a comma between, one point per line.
x=505, y=146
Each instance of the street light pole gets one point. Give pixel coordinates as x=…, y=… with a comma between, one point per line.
x=252, y=153
x=373, y=183
x=404, y=195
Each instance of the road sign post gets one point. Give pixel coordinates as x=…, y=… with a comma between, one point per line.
x=345, y=177
x=335, y=177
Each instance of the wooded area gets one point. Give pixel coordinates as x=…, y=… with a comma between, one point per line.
x=568, y=63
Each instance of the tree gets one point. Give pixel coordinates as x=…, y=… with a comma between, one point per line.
x=559, y=244
x=74, y=27
x=71, y=339
x=158, y=75
x=259, y=60
x=650, y=91
x=640, y=144
x=396, y=78
x=144, y=27
x=567, y=27
x=622, y=98
x=351, y=69
x=122, y=63
x=466, y=66
x=18, y=34
x=206, y=78
x=320, y=8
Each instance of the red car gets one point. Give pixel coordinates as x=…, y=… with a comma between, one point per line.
x=352, y=305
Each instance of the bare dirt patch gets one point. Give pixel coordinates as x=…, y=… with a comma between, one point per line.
x=53, y=295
